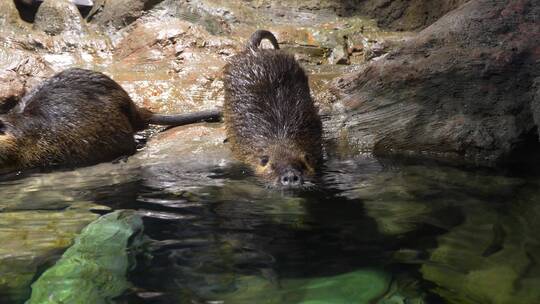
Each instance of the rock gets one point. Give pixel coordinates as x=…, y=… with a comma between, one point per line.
x=373, y=51
x=401, y=15
x=171, y=66
x=33, y=70
x=406, y=15
x=185, y=157
x=199, y=144
x=119, y=13
x=460, y=90
x=340, y=55
x=21, y=72
x=57, y=16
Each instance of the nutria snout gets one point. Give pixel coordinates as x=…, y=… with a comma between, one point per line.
x=291, y=178
x=271, y=120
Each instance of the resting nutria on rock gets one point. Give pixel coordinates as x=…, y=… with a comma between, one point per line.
x=271, y=120
x=77, y=117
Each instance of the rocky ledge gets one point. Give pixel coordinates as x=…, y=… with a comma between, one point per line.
x=464, y=89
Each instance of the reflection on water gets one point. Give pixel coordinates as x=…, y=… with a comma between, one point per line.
x=373, y=232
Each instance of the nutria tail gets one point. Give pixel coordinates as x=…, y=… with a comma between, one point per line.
x=258, y=36
x=180, y=119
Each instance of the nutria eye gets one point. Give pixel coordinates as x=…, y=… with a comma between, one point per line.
x=2, y=128
x=264, y=160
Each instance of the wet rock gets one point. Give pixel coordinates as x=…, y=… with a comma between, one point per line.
x=119, y=13
x=199, y=143
x=460, y=90
x=184, y=158
x=58, y=16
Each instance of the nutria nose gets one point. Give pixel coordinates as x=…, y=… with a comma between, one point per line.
x=291, y=178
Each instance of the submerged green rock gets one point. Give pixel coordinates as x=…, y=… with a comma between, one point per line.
x=491, y=257
x=94, y=269
x=355, y=287
x=362, y=286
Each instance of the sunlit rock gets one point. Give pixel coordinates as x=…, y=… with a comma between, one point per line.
x=57, y=16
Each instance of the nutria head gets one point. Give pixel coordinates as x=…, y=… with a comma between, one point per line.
x=286, y=166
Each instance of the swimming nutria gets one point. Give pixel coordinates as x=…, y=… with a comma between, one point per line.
x=77, y=117
x=271, y=120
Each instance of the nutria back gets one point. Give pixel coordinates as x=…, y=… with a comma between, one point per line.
x=77, y=117
x=271, y=120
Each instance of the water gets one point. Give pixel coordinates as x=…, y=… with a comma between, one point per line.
x=374, y=231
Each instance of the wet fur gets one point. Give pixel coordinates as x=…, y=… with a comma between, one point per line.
x=269, y=111
x=77, y=117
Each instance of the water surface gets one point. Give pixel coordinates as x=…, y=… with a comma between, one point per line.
x=373, y=231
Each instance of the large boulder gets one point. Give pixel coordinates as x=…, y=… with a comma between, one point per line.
x=57, y=16
x=405, y=15
x=119, y=13
x=401, y=15
x=461, y=89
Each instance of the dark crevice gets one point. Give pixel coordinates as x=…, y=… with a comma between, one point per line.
x=8, y=104
x=85, y=10
x=524, y=159
x=27, y=9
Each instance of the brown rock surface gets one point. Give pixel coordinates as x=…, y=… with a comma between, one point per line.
x=119, y=13
x=461, y=89
x=57, y=16
x=406, y=15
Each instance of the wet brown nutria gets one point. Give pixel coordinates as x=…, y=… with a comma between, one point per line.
x=77, y=117
x=271, y=120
